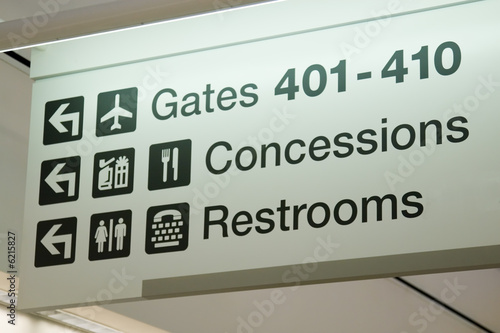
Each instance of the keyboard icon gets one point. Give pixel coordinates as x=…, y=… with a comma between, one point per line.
x=167, y=228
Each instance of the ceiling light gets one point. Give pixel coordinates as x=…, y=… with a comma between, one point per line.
x=76, y=321
x=65, y=318
x=4, y=297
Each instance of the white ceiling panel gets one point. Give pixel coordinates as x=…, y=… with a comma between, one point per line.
x=15, y=9
x=34, y=23
x=382, y=305
x=474, y=293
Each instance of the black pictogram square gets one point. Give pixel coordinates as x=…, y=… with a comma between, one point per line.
x=167, y=228
x=116, y=112
x=169, y=164
x=63, y=120
x=113, y=173
x=59, y=180
x=110, y=235
x=55, y=242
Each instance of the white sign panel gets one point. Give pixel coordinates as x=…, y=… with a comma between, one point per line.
x=345, y=152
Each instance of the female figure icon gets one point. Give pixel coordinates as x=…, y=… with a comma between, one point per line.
x=101, y=235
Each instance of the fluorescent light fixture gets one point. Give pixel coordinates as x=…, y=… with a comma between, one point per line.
x=69, y=319
x=65, y=318
x=4, y=297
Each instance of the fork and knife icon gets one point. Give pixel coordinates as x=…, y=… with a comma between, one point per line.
x=170, y=156
x=169, y=164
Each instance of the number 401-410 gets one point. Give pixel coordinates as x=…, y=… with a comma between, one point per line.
x=394, y=68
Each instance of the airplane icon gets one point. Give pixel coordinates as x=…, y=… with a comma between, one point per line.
x=116, y=113
x=116, y=119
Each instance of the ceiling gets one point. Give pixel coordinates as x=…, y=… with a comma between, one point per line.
x=382, y=305
x=34, y=23
x=472, y=298
x=13, y=10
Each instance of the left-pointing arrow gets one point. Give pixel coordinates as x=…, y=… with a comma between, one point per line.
x=54, y=178
x=50, y=239
x=58, y=118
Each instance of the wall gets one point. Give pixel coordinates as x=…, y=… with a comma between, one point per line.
x=15, y=99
